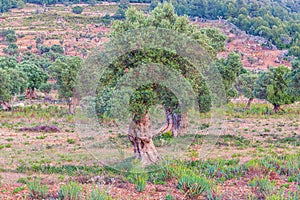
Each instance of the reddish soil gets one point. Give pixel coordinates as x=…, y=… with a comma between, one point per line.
x=255, y=56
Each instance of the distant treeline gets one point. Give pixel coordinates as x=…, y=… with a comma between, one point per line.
x=5, y=5
x=49, y=2
x=276, y=20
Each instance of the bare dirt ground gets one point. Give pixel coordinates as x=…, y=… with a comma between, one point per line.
x=244, y=137
x=255, y=55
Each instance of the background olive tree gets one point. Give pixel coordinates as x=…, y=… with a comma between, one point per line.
x=272, y=85
x=245, y=86
x=65, y=71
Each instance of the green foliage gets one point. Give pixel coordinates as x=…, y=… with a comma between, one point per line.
x=273, y=86
x=41, y=61
x=169, y=197
x=98, y=194
x=43, y=49
x=65, y=71
x=58, y=49
x=18, y=189
x=193, y=185
x=162, y=16
x=5, y=93
x=70, y=141
x=122, y=7
x=138, y=176
x=70, y=191
x=245, y=84
x=263, y=186
x=36, y=75
x=46, y=87
x=8, y=62
x=11, y=38
x=278, y=21
x=294, y=77
x=77, y=10
x=163, y=139
x=5, y=5
x=12, y=49
x=230, y=68
x=12, y=81
x=37, y=190
x=295, y=50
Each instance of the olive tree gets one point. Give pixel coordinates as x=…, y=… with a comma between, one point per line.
x=149, y=94
x=245, y=86
x=77, y=9
x=65, y=71
x=294, y=77
x=12, y=82
x=5, y=87
x=272, y=85
x=230, y=68
x=36, y=76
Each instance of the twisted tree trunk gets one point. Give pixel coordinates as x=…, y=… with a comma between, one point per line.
x=30, y=93
x=249, y=104
x=71, y=106
x=277, y=108
x=140, y=137
x=175, y=123
x=6, y=106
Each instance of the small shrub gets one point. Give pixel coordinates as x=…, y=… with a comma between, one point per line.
x=70, y=191
x=42, y=137
x=19, y=189
x=77, y=10
x=138, y=177
x=22, y=180
x=9, y=139
x=98, y=194
x=193, y=185
x=169, y=197
x=263, y=186
x=37, y=190
x=70, y=141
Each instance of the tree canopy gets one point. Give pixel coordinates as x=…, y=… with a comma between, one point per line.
x=245, y=85
x=272, y=85
x=13, y=80
x=65, y=72
x=294, y=77
x=162, y=17
x=36, y=75
x=230, y=68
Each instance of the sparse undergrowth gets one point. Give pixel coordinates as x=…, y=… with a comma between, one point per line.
x=265, y=159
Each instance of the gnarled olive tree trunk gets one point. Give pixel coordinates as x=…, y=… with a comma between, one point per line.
x=71, y=106
x=277, y=108
x=6, y=106
x=140, y=137
x=30, y=93
x=140, y=134
x=250, y=100
x=175, y=123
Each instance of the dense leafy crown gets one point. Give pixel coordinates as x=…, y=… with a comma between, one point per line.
x=272, y=86
x=161, y=17
x=65, y=71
